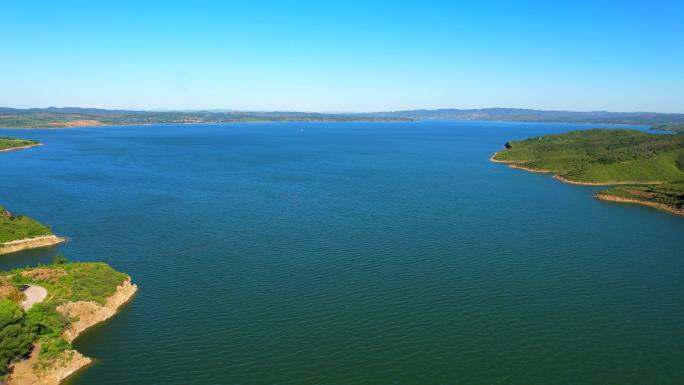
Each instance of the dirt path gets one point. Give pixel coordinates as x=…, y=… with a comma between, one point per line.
x=34, y=294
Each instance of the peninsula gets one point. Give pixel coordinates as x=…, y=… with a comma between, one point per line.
x=20, y=232
x=11, y=144
x=642, y=168
x=35, y=347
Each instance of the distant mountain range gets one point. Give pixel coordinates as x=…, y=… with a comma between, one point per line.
x=528, y=115
x=74, y=116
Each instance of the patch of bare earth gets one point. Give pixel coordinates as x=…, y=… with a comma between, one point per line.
x=44, y=274
x=640, y=193
x=9, y=291
x=83, y=123
x=34, y=372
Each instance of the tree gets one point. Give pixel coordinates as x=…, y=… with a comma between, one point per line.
x=59, y=259
x=15, y=339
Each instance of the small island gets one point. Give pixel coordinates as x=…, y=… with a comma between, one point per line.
x=44, y=308
x=642, y=168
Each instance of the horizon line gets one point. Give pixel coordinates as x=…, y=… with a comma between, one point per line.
x=228, y=110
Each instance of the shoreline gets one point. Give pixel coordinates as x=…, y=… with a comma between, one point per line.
x=71, y=361
x=612, y=183
x=656, y=205
x=529, y=169
x=21, y=147
x=493, y=158
x=513, y=164
x=600, y=195
x=30, y=243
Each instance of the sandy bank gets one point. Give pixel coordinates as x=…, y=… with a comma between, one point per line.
x=659, y=206
x=21, y=147
x=87, y=314
x=30, y=243
x=493, y=159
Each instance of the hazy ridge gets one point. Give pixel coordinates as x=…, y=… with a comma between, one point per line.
x=75, y=116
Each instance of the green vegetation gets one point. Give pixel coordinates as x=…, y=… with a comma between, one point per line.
x=649, y=167
x=8, y=143
x=65, y=282
x=675, y=127
x=16, y=335
x=669, y=194
x=13, y=228
x=603, y=156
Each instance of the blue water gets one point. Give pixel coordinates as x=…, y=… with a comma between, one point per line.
x=352, y=253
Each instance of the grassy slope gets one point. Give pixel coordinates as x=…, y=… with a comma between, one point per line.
x=603, y=155
x=670, y=194
x=19, y=227
x=42, y=323
x=610, y=156
x=7, y=143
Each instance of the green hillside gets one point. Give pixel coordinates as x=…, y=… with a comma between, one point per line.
x=652, y=163
x=19, y=227
x=602, y=155
x=669, y=194
x=8, y=143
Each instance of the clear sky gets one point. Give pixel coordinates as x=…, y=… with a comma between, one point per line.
x=343, y=55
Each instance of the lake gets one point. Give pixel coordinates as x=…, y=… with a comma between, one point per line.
x=352, y=253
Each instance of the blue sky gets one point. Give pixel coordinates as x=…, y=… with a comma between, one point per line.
x=343, y=55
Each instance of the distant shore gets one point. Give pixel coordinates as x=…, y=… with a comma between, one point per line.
x=101, y=124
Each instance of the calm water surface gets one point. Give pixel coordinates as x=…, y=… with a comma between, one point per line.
x=353, y=253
